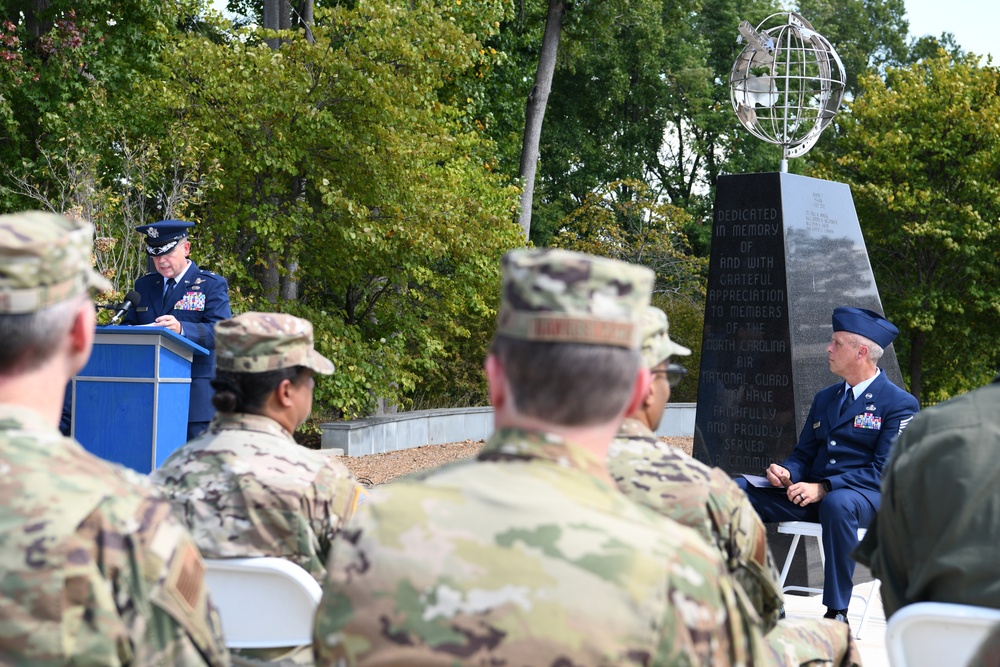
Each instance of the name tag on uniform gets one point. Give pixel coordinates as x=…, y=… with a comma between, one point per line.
x=869, y=421
x=191, y=301
x=816, y=425
x=141, y=309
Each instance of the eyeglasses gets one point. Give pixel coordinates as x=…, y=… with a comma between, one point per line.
x=674, y=372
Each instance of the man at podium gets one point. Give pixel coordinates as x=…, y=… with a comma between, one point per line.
x=188, y=301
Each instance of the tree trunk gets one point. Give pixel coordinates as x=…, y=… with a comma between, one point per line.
x=272, y=20
x=289, y=281
x=535, y=109
x=36, y=27
x=285, y=15
x=284, y=283
x=916, y=357
x=270, y=280
x=306, y=16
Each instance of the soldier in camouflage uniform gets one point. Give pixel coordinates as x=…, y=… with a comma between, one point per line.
x=94, y=569
x=245, y=487
x=706, y=499
x=528, y=554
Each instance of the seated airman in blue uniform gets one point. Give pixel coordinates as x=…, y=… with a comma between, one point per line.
x=834, y=474
x=188, y=301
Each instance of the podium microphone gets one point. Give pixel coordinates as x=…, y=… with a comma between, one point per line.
x=131, y=299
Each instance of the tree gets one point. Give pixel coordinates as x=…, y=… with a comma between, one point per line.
x=68, y=60
x=641, y=94
x=927, y=46
x=534, y=113
x=349, y=147
x=625, y=221
x=921, y=151
x=339, y=151
x=150, y=183
x=869, y=35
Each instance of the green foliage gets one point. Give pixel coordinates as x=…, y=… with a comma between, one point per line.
x=868, y=35
x=341, y=155
x=928, y=47
x=687, y=322
x=72, y=57
x=133, y=183
x=350, y=164
x=623, y=220
x=639, y=93
x=365, y=367
x=920, y=150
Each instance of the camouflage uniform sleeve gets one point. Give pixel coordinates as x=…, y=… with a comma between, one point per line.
x=812, y=641
x=707, y=500
x=743, y=540
x=337, y=495
x=158, y=580
x=712, y=621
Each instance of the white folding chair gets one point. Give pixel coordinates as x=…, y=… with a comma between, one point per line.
x=799, y=529
x=937, y=633
x=263, y=602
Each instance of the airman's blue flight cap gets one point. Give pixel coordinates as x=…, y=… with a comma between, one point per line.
x=865, y=323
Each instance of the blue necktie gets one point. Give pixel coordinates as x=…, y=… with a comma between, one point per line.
x=848, y=399
x=166, y=293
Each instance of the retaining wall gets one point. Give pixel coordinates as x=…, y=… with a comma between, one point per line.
x=403, y=430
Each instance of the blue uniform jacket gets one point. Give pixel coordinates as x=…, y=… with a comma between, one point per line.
x=852, y=449
x=198, y=301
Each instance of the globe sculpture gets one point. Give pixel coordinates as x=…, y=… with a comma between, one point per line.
x=787, y=83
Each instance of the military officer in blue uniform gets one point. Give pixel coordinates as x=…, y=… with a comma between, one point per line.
x=188, y=301
x=834, y=474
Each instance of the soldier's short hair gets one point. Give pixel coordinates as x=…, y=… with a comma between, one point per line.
x=30, y=339
x=568, y=384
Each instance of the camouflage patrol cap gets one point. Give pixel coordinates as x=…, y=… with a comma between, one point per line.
x=552, y=295
x=45, y=259
x=656, y=344
x=260, y=342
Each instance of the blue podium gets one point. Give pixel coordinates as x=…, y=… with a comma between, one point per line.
x=130, y=402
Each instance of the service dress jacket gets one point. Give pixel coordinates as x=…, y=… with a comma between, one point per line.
x=198, y=301
x=851, y=450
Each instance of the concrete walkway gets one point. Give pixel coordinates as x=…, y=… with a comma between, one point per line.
x=872, y=642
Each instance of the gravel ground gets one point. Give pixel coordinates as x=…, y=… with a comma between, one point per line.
x=381, y=468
